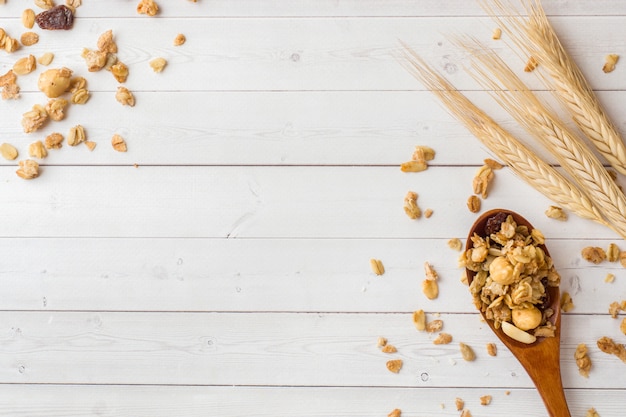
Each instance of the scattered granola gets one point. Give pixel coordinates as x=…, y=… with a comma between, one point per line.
x=28, y=18
x=428, y=213
x=593, y=254
x=54, y=82
x=95, y=59
x=158, y=64
x=612, y=252
x=56, y=108
x=609, y=62
x=410, y=206
x=566, y=302
x=467, y=352
x=455, y=244
x=622, y=258
x=106, y=43
x=44, y=4
x=394, y=365
x=466, y=413
x=8, y=151
x=582, y=360
x=531, y=64
x=119, y=71
x=90, y=145
x=179, y=39
x=76, y=135
x=28, y=169
x=381, y=341
x=147, y=7
x=25, y=65
x=419, y=320
x=395, y=413
x=556, y=213
x=118, y=143
x=493, y=164
x=459, y=403
x=10, y=89
x=622, y=326
x=29, y=38
x=434, y=326
x=124, y=96
x=37, y=150
x=473, y=204
x=492, y=349
x=497, y=34
x=54, y=141
x=45, y=59
x=609, y=278
x=443, y=339
x=430, y=288
x=615, y=307
x=608, y=345
x=34, y=119
x=592, y=413
x=389, y=349
x=377, y=266
x=486, y=399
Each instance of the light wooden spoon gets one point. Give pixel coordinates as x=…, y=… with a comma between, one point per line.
x=540, y=359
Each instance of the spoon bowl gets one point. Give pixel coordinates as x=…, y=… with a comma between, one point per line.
x=540, y=359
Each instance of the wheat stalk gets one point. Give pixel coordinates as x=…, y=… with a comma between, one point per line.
x=522, y=161
x=522, y=104
x=536, y=37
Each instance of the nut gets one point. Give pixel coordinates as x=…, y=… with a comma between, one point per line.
x=158, y=64
x=125, y=97
x=179, y=39
x=394, y=365
x=44, y=4
x=473, y=204
x=593, y=254
x=34, y=119
x=8, y=151
x=37, y=150
x=428, y=213
x=516, y=333
x=54, y=82
x=120, y=72
x=442, y=339
x=28, y=18
x=502, y=271
x=492, y=349
x=25, y=65
x=56, y=108
x=467, y=352
x=95, y=60
x=28, y=169
x=608, y=345
x=410, y=206
x=29, y=38
x=119, y=144
x=556, y=213
x=419, y=320
x=106, y=43
x=377, y=266
x=430, y=288
x=46, y=59
x=609, y=62
x=582, y=360
x=148, y=7
x=54, y=141
x=526, y=318
x=76, y=135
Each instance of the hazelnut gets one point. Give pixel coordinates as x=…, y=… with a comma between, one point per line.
x=501, y=271
x=54, y=82
x=526, y=318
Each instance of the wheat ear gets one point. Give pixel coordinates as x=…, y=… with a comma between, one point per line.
x=537, y=38
x=522, y=104
x=522, y=161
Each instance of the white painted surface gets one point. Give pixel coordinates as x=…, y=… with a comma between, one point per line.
x=227, y=274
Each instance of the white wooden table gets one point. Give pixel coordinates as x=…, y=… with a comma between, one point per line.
x=220, y=267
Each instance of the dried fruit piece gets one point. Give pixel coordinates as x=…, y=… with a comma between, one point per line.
x=37, y=150
x=467, y=352
x=125, y=97
x=46, y=58
x=442, y=339
x=485, y=399
x=556, y=213
x=377, y=266
x=8, y=151
x=25, y=65
x=473, y=204
x=394, y=365
x=148, y=7
x=29, y=38
x=120, y=72
x=517, y=333
x=34, y=119
x=54, y=141
x=10, y=89
x=54, y=82
x=56, y=108
x=28, y=169
x=582, y=360
x=76, y=135
x=389, y=349
x=179, y=39
x=57, y=18
x=497, y=34
x=419, y=320
x=492, y=349
x=118, y=143
x=566, y=302
x=593, y=254
x=410, y=205
x=609, y=62
x=28, y=18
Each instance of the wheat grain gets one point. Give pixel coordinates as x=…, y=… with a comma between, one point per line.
x=522, y=104
x=535, y=36
x=521, y=160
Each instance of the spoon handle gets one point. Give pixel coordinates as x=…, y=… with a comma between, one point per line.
x=546, y=374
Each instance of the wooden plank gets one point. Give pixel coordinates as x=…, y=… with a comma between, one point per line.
x=275, y=349
x=151, y=401
x=252, y=275
x=298, y=202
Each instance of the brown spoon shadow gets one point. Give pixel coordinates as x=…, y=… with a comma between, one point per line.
x=541, y=359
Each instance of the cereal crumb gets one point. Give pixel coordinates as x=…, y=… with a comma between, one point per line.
x=428, y=213
x=492, y=349
x=389, y=349
x=497, y=34
x=466, y=413
x=593, y=254
x=377, y=266
x=614, y=309
x=609, y=62
x=482, y=179
x=147, y=7
x=556, y=213
x=467, y=352
x=608, y=345
x=410, y=206
x=592, y=413
x=394, y=365
x=434, y=326
x=609, y=278
x=582, y=360
x=179, y=39
x=566, y=302
x=395, y=413
x=459, y=403
x=381, y=341
x=443, y=339
x=158, y=64
x=485, y=399
x=419, y=320
x=28, y=169
x=455, y=244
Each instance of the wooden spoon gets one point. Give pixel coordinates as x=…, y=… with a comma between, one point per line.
x=540, y=359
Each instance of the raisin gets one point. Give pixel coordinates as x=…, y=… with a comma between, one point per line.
x=546, y=299
x=494, y=223
x=59, y=17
